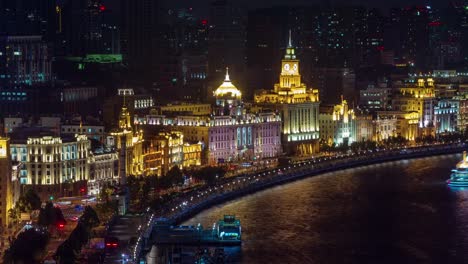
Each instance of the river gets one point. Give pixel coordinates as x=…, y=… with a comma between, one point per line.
x=395, y=212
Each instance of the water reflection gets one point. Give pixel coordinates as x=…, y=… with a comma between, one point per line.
x=396, y=212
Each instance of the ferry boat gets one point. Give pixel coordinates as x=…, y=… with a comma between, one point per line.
x=459, y=176
x=229, y=228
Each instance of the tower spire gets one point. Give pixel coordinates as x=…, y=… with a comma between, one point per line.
x=290, y=41
x=227, y=74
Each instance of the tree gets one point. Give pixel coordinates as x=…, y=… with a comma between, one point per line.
x=209, y=174
x=175, y=175
x=27, y=247
x=28, y=202
x=89, y=218
x=66, y=253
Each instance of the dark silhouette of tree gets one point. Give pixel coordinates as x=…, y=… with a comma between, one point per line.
x=175, y=175
x=27, y=247
x=89, y=218
x=28, y=202
x=209, y=174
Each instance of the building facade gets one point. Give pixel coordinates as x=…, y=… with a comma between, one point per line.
x=103, y=170
x=24, y=61
x=53, y=165
x=230, y=134
x=298, y=106
x=337, y=125
x=6, y=184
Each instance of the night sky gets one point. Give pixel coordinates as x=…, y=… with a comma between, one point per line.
x=202, y=6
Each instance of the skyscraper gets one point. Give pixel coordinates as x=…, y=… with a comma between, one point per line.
x=139, y=30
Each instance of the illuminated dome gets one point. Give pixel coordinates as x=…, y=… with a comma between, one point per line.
x=227, y=88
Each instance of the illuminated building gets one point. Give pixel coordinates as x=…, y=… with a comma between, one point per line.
x=397, y=123
x=192, y=109
x=446, y=115
x=168, y=149
x=92, y=131
x=6, y=195
x=337, y=124
x=129, y=142
x=419, y=98
x=171, y=146
x=364, y=127
x=152, y=158
x=24, y=61
x=299, y=107
x=385, y=127
x=229, y=134
x=52, y=165
x=375, y=98
x=462, y=118
x=192, y=154
x=104, y=169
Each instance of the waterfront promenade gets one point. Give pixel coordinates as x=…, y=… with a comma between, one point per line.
x=184, y=207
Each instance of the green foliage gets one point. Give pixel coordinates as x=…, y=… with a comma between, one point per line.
x=27, y=247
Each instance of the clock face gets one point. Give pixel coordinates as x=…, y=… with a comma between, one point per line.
x=295, y=67
x=286, y=67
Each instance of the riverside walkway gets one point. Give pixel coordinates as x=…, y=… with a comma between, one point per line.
x=184, y=207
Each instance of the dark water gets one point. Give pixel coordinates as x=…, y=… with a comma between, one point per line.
x=396, y=212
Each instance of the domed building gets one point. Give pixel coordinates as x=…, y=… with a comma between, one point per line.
x=229, y=134
x=228, y=98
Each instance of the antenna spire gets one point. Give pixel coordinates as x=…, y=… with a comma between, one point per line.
x=227, y=74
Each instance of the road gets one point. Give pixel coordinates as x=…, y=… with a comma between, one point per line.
x=125, y=228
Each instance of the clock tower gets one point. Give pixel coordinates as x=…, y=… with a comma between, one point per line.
x=290, y=79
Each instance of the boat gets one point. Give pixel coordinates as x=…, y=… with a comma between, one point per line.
x=229, y=228
x=459, y=176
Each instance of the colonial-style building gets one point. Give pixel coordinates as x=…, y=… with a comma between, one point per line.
x=128, y=140
x=52, y=165
x=337, y=124
x=418, y=98
x=229, y=133
x=298, y=106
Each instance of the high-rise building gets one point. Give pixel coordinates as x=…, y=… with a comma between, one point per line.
x=298, y=105
x=80, y=27
x=25, y=17
x=24, y=61
x=407, y=34
x=139, y=35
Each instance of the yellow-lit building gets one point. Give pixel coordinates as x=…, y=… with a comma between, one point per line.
x=133, y=147
x=298, y=105
x=404, y=124
x=192, y=154
x=193, y=109
x=167, y=150
x=420, y=98
x=6, y=184
x=337, y=124
x=229, y=134
x=171, y=145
